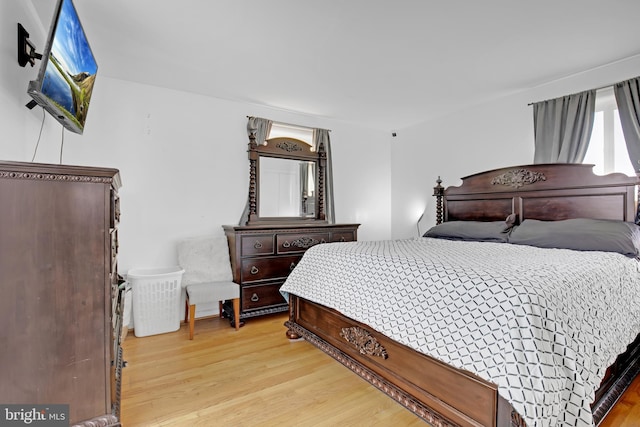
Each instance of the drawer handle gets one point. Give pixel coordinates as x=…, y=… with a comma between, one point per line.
x=254, y=270
x=286, y=244
x=257, y=244
x=255, y=297
x=292, y=266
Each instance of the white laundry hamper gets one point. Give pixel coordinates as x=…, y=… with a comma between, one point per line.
x=156, y=300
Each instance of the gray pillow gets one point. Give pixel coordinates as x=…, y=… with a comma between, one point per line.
x=580, y=234
x=482, y=231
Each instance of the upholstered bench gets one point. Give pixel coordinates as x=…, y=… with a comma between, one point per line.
x=207, y=277
x=212, y=292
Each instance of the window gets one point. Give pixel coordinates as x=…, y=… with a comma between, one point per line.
x=607, y=148
x=279, y=130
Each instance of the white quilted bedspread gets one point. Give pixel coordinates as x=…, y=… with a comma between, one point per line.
x=542, y=324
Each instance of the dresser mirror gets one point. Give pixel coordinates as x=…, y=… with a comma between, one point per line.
x=286, y=182
x=287, y=187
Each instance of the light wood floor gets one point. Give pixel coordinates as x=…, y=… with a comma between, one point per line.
x=257, y=377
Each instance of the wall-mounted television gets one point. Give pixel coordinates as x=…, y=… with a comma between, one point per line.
x=67, y=71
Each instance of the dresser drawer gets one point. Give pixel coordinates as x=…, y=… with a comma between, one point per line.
x=299, y=242
x=254, y=269
x=261, y=296
x=343, y=236
x=258, y=244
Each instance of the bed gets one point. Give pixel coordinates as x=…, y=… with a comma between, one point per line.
x=500, y=342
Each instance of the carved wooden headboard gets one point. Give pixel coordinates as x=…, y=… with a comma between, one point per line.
x=542, y=191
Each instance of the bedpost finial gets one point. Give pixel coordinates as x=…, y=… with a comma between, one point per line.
x=438, y=189
x=438, y=192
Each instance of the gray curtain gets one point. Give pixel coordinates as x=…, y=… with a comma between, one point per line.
x=628, y=100
x=562, y=128
x=322, y=136
x=261, y=128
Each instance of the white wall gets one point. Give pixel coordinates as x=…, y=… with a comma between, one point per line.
x=185, y=170
x=495, y=134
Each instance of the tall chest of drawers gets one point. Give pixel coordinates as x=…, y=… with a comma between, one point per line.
x=262, y=256
x=61, y=309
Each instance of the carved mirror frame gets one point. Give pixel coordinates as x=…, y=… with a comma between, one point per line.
x=292, y=149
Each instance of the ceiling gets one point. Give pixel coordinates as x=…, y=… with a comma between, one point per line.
x=381, y=64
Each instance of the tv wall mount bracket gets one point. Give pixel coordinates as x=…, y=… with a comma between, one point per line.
x=26, y=50
x=26, y=54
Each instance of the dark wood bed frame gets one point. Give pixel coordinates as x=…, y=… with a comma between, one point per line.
x=441, y=394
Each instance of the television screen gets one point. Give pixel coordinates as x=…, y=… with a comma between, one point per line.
x=67, y=72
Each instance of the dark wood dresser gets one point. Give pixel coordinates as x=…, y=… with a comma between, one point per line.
x=262, y=256
x=61, y=309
